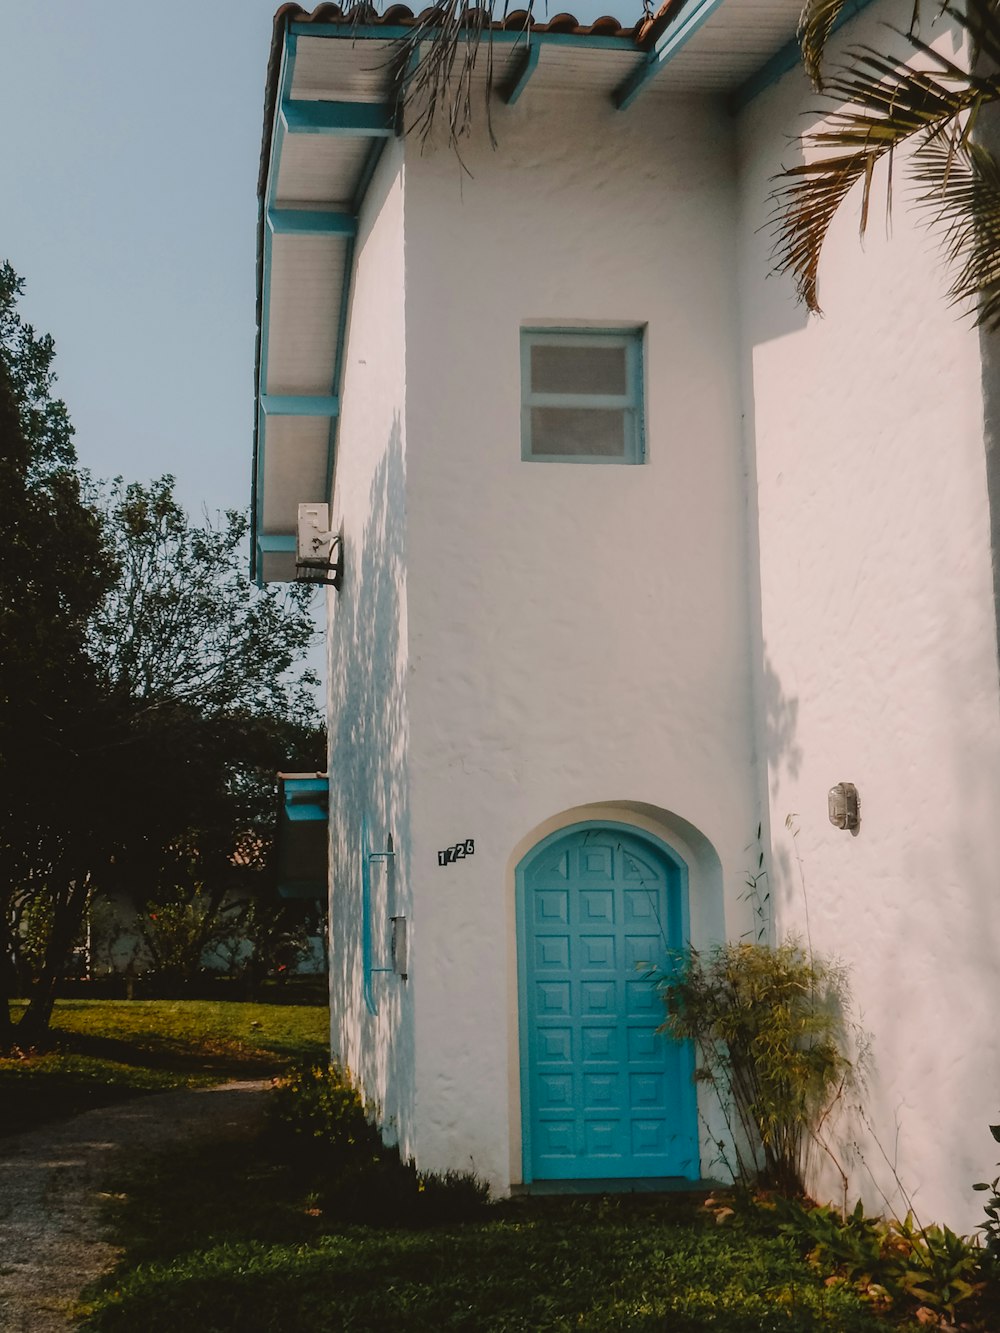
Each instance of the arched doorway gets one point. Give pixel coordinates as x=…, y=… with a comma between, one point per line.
x=603, y=1094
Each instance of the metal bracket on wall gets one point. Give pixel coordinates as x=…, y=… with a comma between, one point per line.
x=328, y=572
x=388, y=855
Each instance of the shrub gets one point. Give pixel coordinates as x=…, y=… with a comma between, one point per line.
x=767, y=1027
x=319, y=1117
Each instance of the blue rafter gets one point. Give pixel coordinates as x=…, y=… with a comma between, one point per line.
x=527, y=63
x=347, y=118
x=299, y=405
x=782, y=61
x=677, y=35
x=310, y=222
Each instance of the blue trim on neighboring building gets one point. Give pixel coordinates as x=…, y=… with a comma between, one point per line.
x=784, y=60
x=680, y=31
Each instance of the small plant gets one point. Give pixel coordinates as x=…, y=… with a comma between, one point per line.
x=891, y=1263
x=319, y=1109
x=991, y=1227
x=768, y=1030
x=320, y=1118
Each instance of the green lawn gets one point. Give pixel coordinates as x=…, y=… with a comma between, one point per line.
x=225, y=1239
x=103, y=1051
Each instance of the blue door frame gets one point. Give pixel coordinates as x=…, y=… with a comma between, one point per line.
x=603, y=1095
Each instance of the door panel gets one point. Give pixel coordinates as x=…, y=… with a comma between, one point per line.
x=604, y=1095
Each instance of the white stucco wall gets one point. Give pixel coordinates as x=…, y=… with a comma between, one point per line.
x=879, y=660
x=578, y=635
x=367, y=642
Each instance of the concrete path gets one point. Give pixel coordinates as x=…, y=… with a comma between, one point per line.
x=51, y=1182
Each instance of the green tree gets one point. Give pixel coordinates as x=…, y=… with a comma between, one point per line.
x=55, y=571
x=876, y=105
x=148, y=693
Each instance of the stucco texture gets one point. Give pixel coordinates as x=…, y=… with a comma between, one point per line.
x=878, y=661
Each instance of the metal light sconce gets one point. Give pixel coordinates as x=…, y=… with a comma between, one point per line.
x=843, y=807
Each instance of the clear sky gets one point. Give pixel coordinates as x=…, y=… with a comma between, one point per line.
x=128, y=176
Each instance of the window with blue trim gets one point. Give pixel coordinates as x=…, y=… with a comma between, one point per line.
x=581, y=396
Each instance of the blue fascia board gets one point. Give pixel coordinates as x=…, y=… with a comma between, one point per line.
x=677, y=35
x=784, y=60
x=299, y=405
x=528, y=65
x=347, y=118
x=264, y=233
x=310, y=222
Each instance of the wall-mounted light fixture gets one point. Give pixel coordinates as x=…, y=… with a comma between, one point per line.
x=843, y=807
x=319, y=556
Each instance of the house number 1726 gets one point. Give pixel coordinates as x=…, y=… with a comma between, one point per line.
x=457, y=853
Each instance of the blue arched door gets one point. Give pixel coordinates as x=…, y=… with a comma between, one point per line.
x=603, y=1094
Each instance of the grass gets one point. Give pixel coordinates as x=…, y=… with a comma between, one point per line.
x=228, y=1239
x=104, y=1051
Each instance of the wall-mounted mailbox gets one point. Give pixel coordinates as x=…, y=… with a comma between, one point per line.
x=399, y=963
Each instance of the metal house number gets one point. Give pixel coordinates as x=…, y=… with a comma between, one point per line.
x=457, y=853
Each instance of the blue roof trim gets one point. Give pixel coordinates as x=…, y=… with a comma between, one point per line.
x=784, y=60
x=395, y=32
x=285, y=77
x=677, y=35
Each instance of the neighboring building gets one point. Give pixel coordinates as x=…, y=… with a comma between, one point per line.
x=638, y=562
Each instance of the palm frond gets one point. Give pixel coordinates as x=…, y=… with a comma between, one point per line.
x=816, y=23
x=880, y=105
x=441, y=55
x=959, y=187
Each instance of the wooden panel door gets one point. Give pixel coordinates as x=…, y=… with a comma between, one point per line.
x=604, y=1095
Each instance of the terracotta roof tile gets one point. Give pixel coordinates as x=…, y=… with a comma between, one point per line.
x=518, y=19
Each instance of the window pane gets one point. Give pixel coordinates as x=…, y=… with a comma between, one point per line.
x=598, y=432
x=578, y=369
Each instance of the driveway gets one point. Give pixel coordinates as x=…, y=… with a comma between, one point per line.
x=51, y=1179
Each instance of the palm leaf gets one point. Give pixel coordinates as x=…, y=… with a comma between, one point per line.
x=816, y=23
x=880, y=105
x=440, y=58
x=959, y=187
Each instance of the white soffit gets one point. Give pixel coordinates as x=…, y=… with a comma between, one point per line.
x=295, y=468
x=307, y=273
x=320, y=169
x=731, y=46
x=343, y=69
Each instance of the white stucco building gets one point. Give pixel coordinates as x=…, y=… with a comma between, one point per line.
x=637, y=559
